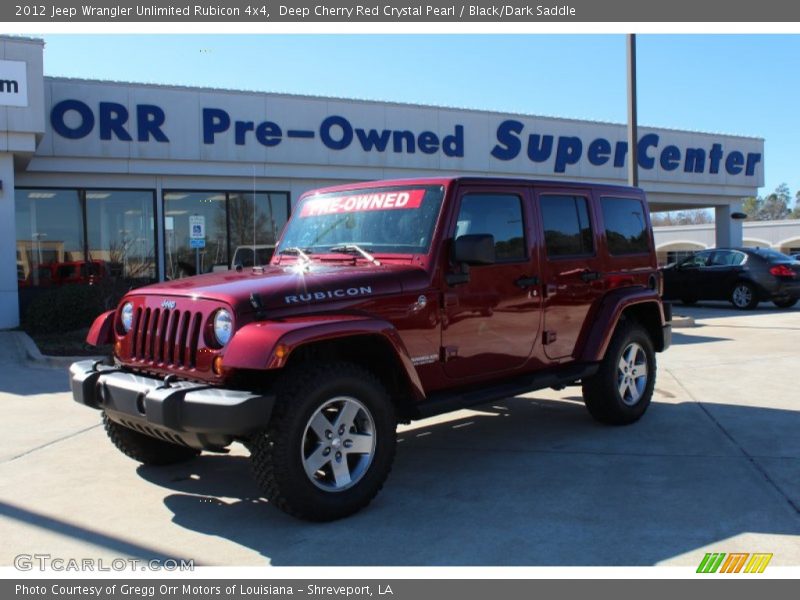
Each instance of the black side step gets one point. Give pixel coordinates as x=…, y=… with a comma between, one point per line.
x=442, y=402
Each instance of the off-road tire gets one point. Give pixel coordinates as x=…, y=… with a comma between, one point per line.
x=744, y=295
x=145, y=449
x=277, y=452
x=601, y=391
x=784, y=302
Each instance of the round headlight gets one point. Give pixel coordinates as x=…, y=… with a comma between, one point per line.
x=223, y=326
x=126, y=316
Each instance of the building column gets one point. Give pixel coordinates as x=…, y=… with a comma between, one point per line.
x=728, y=230
x=9, y=300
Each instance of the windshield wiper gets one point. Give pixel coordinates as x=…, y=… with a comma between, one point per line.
x=298, y=251
x=356, y=248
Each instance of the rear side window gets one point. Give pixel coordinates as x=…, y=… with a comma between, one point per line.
x=499, y=215
x=567, y=229
x=626, y=228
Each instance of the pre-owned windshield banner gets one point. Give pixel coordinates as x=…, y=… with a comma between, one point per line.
x=400, y=11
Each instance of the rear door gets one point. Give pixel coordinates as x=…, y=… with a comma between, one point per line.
x=571, y=268
x=492, y=321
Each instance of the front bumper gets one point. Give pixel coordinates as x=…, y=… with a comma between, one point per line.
x=182, y=412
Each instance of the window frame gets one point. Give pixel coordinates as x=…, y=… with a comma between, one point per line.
x=81, y=191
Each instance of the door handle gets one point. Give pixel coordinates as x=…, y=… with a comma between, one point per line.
x=524, y=282
x=590, y=276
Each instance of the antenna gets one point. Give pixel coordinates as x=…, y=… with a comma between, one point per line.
x=255, y=258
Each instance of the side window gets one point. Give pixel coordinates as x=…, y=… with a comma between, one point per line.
x=626, y=228
x=567, y=229
x=499, y=215
x=698, y=260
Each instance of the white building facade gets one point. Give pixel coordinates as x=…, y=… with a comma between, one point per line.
x=119, y=180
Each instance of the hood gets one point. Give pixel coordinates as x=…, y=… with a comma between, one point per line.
x=286, y=286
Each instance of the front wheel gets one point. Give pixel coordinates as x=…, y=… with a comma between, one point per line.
x=621, y=390
x=330, y=443
x=744, y=296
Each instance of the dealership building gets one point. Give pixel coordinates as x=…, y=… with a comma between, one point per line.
x=139, y=182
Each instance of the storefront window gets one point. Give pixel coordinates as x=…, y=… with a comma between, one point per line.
x=210, y=251
x=49, y=237
x=254, y=220
x=121, y=237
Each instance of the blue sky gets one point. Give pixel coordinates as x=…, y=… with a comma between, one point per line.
x=739, y=84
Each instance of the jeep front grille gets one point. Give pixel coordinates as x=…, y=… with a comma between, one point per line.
x=166, y=337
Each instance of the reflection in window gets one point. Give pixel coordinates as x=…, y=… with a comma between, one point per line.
x=49, y=235
x=256, y=222
x=567, y=230
x=121, y=238
x=182, y=259
x=253, y=219
x=626, y=229
x=499, y=215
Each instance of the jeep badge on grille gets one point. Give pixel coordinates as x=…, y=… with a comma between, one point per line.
x=168, y=304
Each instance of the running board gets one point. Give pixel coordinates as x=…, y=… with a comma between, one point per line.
x=442, y=402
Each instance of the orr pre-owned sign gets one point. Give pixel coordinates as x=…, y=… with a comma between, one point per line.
x=290, y=130
x=13, y=83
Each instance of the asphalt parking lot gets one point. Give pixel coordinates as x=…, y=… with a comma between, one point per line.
x=713, y=466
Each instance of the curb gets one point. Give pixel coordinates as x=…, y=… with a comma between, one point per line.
x=679, y=322
x=30, y=351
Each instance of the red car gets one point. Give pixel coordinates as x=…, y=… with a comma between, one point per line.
x=385, y=302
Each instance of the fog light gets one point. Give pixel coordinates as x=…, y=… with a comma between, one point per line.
x=216, y=365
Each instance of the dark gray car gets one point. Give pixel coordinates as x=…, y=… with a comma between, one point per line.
x=743, y=276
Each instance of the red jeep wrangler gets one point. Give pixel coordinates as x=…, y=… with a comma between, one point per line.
x=385, y=302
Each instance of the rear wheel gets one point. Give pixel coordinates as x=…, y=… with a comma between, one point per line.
x=744, y=296
x=621, y=390
x=145, y=449
x=330, y=443
x=784, y=302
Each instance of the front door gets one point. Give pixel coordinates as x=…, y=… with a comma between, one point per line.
x=492, y=321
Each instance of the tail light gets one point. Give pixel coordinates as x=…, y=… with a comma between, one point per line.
x=781, y=271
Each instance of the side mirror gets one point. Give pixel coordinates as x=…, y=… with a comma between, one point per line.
x=474, y=249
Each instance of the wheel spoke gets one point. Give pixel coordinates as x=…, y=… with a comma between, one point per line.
x=316, y=461
x=341, y=472
x=361, y=444
x=623, y=385
x=346, y=416
x=634, y=392
x=623, y=363
x=639, y=371
x=320, y=424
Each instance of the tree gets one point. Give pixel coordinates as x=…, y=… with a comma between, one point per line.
x=752, y=207
x=694, y=216
x=776, y=205
x=795, y=214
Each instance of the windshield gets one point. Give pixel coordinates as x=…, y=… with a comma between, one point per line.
x=390, y=220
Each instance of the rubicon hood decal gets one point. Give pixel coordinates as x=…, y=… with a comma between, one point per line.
x=350, y=292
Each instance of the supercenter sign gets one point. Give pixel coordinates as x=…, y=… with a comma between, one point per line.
x=311, y=131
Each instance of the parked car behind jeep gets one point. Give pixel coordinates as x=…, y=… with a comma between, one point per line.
x=385, y=302
x=743, y=276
